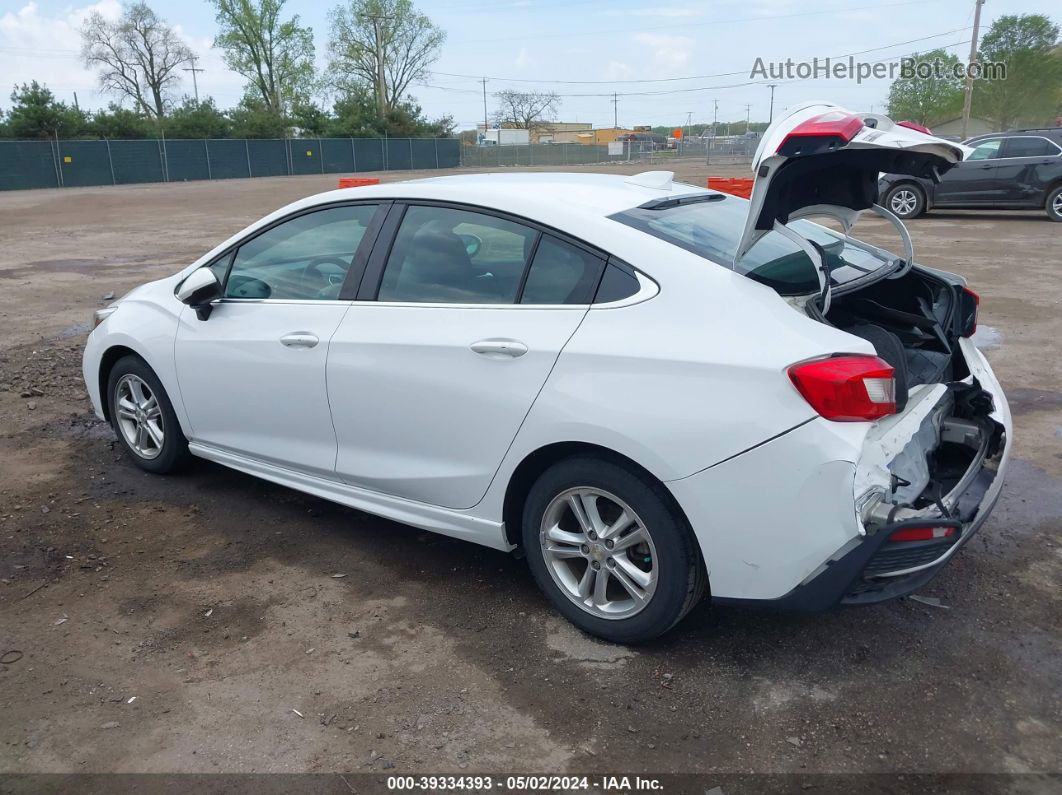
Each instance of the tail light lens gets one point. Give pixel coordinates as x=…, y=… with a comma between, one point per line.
x=821, y=133
x=968, y=303
x=922, y=533
x=847, y=388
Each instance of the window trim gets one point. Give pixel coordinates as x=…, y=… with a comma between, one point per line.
x=373, y=278
x=357, y=265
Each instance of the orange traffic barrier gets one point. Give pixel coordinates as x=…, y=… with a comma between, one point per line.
x=735, y=186
x=357, y=182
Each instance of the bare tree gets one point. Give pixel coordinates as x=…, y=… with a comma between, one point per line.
x=275, y=56
x=385, y=43
x=138, y=56
x=528, y=110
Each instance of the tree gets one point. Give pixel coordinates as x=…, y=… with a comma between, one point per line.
x=354, y=115
x=138, y=56
x=385, y=43
x=275, y=56
x=192, y=119
x=528, y=110
x=309, y=118
x=1026, y=44
x=253, y=118
x=932, y=99
x=35, y=113
x=119, y=122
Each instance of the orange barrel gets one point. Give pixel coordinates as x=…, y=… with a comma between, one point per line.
x=357, y=182
x=735, y=186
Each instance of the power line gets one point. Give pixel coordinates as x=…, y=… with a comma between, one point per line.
x=685, y=25
x=682, y=90
x=690, y=77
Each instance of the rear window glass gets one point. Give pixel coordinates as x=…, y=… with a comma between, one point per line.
x=712, y=229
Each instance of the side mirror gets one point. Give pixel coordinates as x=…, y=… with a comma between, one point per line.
x=198, y=290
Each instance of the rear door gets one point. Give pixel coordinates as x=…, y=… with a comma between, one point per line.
x=1029, y=163
x=460, y=319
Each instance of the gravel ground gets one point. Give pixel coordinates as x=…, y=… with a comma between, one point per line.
x=211, y=622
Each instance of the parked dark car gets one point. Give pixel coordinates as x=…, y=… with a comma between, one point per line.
x=1015, y=170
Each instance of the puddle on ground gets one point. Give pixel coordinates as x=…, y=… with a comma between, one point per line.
x=987, y=338
x=76, y=330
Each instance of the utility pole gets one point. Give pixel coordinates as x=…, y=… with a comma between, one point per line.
x=770, y=117
x=689, y=123
x=715, y=116
x=484, y=82
x=193, y=70
x=748, y=113
x=973, y=59
x=615, y=110
x=381, y=76
x=76, y=106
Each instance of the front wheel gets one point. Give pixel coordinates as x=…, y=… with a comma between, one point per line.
x=143, y=417
x=906, y=201
x=1054, y=204
x=609, y=550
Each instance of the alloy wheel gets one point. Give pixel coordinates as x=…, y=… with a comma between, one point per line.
x=903, y=202
x=139, y=416
x=599, y=552
x=1056, y=205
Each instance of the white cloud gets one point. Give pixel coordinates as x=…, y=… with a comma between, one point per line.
x=669, y=54
x=661, y=11
x=523, y=59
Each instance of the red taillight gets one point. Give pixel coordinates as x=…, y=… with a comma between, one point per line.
x=922, y=533
x=833, y=125
x=847, y=388
x=969, y=304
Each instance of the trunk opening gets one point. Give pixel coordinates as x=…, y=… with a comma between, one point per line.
x=923, y=461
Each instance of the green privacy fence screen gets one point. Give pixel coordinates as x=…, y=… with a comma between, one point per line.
x=57, y=164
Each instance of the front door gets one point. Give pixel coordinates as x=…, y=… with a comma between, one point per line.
x=430, y=379
x=975, y=180
x=252, y=376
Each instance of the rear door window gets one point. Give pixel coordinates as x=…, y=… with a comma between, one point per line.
x=561, y=273
x=1031, y=146
x=450, y=256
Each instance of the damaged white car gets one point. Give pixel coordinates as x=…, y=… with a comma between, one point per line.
x=652, y=390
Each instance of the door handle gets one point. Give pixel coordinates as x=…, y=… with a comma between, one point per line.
x=499, y=348
x=299, y=339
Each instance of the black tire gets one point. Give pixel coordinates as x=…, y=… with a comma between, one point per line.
x=173, y=453
x=905, y=200
x=680, y=571
x=1053, y=205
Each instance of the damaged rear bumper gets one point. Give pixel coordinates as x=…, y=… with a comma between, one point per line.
x=872, y=567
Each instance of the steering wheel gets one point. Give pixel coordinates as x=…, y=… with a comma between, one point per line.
x=314, y=267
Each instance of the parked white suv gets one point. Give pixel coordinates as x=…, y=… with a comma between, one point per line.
x=651, y=389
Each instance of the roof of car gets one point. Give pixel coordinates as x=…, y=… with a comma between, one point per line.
x=530, y=193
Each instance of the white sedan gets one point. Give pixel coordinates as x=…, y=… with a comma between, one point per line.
x=651, y=390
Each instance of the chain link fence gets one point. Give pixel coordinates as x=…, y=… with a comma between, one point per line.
x=58, y=164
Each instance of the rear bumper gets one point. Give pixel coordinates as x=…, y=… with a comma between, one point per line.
x=869, y=568
x=873, y=569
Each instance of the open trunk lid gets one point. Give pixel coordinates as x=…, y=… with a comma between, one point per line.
x=819, y=159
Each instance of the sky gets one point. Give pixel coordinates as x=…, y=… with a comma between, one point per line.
x=668, y=63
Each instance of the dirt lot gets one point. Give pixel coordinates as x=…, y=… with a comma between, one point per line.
x=177, y=624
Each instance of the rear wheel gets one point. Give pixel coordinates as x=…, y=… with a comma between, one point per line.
x=143, y=417
x=1054, y=204
x=906, y=200
x=609, y=550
